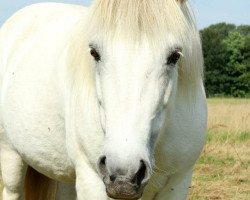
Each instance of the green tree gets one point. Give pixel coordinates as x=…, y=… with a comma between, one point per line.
x=226, y=50
x=215, y=58
x=237, y=68
x=244, y=29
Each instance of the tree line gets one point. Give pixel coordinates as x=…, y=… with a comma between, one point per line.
x=226, y=49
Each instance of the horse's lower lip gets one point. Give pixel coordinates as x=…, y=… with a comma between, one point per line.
x=125, y=197
x=123, y=188
x=130, y=193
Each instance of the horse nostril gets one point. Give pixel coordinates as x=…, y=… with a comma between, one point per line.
x=102, y=165
x=140, y=174
x=112, y=178
x=103, y=160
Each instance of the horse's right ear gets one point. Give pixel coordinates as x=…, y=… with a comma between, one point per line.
x=181, y=1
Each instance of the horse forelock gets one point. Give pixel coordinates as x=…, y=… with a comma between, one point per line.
x=133, y=18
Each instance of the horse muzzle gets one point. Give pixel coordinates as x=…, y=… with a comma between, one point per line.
x=122, y=188
x=123, y=185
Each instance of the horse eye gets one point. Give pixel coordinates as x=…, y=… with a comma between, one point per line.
x=173, y=58
x=95, y=55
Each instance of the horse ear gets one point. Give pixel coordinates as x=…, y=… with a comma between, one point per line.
x=181, y=1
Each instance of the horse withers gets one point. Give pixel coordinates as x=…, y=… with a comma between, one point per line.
x=101, y=102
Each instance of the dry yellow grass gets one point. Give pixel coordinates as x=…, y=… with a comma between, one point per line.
x=229, y=115
x=222, y=172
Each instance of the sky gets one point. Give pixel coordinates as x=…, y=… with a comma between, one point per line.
x=207, y=12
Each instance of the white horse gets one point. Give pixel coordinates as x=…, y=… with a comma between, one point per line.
x=100, y=103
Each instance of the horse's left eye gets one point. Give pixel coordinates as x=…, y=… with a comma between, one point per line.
x=95, y=54
x=173, y=58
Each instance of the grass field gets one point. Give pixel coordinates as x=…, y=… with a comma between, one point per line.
x=222, y=172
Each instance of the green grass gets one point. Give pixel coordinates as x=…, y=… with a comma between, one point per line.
x=222, y=137
x=214, y=160
x=209, y=178
x=244, y=136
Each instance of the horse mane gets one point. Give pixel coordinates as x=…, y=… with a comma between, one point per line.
x=133, y=19
x=140, y=16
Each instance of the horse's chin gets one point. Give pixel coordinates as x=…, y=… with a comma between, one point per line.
x=124, y=196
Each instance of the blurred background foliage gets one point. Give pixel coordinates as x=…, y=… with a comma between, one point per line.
x=226, y=49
